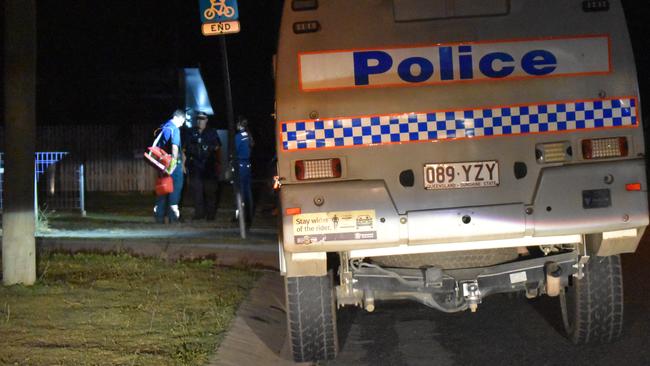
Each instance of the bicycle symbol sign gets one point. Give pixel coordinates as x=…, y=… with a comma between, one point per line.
x=214, y=11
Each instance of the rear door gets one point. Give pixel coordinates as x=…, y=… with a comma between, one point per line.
x=457, y=94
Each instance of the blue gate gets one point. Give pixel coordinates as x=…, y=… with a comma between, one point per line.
x=42, y=163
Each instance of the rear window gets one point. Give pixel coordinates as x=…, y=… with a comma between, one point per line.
x=413, y=10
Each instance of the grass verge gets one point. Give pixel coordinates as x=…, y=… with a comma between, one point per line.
x=119, y=310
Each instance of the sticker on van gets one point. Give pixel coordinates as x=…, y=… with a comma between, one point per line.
x=449, y=63
x=320, y=227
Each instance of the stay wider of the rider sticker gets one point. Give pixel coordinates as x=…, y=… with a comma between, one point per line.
x=313, y=228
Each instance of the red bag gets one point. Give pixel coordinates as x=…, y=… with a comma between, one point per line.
x=164, y=185
x=158, y=157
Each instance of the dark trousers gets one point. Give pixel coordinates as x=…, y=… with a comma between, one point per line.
x=204, y=192
x=245, y=187
x=164, y=203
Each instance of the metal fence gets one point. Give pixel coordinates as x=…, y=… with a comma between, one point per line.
x=112, y=156
x=58, y=181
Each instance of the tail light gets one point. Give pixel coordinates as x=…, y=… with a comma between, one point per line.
x=613, y=147
x=318, y=169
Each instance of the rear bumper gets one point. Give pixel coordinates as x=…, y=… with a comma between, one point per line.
x=554, y=214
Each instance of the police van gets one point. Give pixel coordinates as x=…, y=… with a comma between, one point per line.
x=446, y=151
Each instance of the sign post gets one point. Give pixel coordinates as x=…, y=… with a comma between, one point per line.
x=218, y=18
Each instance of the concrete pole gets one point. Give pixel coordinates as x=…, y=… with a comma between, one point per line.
x=18, y=242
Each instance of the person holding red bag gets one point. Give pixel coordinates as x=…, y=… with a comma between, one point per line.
x=170, y=140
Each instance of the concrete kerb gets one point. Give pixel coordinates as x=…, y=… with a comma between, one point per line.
x=258, y=334
x=263, y=255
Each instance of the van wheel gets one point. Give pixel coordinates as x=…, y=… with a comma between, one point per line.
x=311, y=318
x=592, y=308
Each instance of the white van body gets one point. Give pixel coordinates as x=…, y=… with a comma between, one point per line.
x=465, y=139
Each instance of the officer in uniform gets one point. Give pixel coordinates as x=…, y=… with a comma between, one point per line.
x=203, y=162
x=243, y=145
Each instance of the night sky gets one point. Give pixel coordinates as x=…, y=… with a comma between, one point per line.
x=116, y=62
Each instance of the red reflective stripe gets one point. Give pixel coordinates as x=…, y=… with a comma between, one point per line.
x=633, y=187
x=293, y=211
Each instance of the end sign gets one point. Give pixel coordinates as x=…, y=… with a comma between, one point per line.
x=215, y=29
x=219, y=17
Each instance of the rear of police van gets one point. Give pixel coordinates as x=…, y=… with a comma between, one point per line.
x=427, y=138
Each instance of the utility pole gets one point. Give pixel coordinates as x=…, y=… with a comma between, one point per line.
x=18, y=242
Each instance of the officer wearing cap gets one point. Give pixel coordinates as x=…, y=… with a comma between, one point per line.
x=203, y=163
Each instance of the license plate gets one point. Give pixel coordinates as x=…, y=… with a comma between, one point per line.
x=461, y=175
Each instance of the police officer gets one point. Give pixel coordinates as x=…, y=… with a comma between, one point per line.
x=203, y=162
x=243, y=145
x=170, y=141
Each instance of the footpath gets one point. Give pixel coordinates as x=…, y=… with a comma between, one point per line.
x=223, y=246
x=104, y=233
x=258, y=335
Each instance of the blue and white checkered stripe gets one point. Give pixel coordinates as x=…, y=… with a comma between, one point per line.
x=501, y=121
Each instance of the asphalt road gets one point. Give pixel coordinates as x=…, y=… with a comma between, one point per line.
x=504, y=331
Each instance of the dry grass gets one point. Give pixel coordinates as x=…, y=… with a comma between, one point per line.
x=119, y=310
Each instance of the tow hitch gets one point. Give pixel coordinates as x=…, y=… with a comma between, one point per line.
x=472, y=295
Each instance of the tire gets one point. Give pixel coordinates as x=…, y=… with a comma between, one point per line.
x=311, y=318
x=592, y=308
